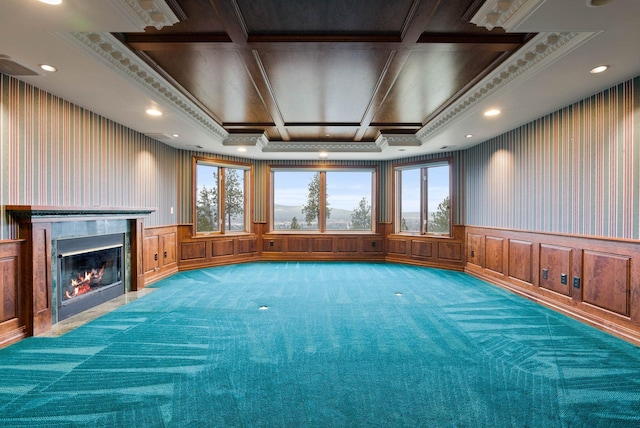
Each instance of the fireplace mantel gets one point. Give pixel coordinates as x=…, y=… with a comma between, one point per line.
x=41, y=225
x=33, y=212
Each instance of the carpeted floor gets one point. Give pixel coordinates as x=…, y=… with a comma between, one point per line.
x=323, y=345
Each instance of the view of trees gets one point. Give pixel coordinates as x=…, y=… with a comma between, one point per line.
x=207, y=211
x=311, y=209
x=439, y=221
x=361, y=217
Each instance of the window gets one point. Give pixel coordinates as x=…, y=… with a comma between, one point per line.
x=216, y=182
x=323, y=200
x=423, y=199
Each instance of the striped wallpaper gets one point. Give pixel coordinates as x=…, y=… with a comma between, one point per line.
x=574, y=171
x=56, y=153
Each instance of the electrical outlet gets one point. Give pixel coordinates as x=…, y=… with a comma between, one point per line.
x=545, y=274
x=576, y=282
x=563, y=278
x=271, y=243
x=373, y=243
x=473, y=253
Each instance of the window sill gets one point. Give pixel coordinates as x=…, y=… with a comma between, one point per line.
x=418, y=235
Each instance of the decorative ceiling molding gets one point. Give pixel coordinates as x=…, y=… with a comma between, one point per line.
x=111, y=52
x=313, y=146
x=507, y=14
x=385, y=140
x=539, y=53
x=258, y=140
x=146, y=13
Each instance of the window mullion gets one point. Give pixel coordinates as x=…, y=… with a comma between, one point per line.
x=221, y=200
x=322, y=203
x=424, y=197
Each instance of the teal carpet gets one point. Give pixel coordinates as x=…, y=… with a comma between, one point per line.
x=338, y=345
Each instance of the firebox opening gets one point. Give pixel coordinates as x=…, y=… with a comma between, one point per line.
x=90, y=272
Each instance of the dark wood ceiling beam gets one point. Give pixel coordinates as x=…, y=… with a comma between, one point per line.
x=510, y=40
x=324, y=38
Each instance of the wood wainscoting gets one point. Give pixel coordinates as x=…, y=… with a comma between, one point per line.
x=428, y=250
x=595, y=280
x=159, y=255
x=196, y=252
x=14, y=311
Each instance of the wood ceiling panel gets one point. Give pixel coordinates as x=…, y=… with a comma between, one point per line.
x=219, y=80
x=430, y=78
x=323, y=85
x=324, y=17
x=315, y=133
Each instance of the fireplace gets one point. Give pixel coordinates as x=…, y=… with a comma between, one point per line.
x=89, y=272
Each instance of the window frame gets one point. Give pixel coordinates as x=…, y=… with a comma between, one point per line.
x=222, y=166
x=323, y=169
x=423, y=166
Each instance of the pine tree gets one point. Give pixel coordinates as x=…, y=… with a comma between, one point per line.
x=361, y=216
x=234, y=195
x=311, y=210
x=207, y=210
x=439, y=222
x=294, y=224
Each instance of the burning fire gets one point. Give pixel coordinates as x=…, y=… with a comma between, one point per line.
x=82, y=284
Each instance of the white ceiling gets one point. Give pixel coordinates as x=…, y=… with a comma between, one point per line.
x=33, y=33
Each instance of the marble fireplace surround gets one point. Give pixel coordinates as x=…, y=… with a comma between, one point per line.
x=42, y=226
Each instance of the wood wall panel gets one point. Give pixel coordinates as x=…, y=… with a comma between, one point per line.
x=13, y=307
x=372, y=245
x=397, y=246
x=297, y=244
x=494, y=253
x=607, y=281
x=422, y=248
x=193, y=250
x=347, y=245
x=222, y=247
x=606, y=293
x=450, y=251
x=322, y=245
x=160, y=247
x=272, y=244
x=556, y=261
x=520, y=257
x=41, y=291
x=474, y=248
x=247, y=245
x=10, y=305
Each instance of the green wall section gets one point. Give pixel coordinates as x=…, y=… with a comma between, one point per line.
x=574, y=171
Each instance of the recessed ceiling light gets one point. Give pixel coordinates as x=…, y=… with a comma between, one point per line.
x=154, y=112
x=468, y=136
x=175, y=135
x=47, y=67
x=598, y=69
x=52, y=2
x=323, y=154
x=492, y=112
x=242, y=149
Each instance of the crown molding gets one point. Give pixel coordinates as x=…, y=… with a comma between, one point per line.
x=385, y=140
x=507, y=14
x=539, y=53
x=258, y=140
x=320, y=146
x=146, y=13
x=110, y=51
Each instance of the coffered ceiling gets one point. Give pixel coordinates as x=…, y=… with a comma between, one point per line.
x=358, y=79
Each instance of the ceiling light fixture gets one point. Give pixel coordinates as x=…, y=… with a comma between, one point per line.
x=323, y=155
x=51, y=2
x=175, y=135
x=49, y=68
x=599, y=69
x=154, y=112
x=242, y=149
x=492, y=112
x=468, y=136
